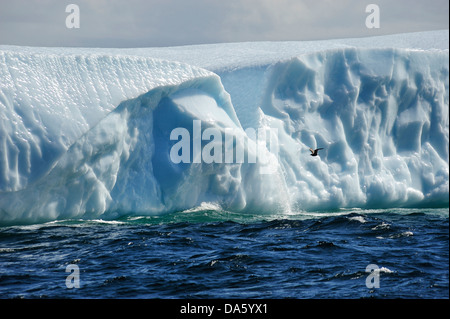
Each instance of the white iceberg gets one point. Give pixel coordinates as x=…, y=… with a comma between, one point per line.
x=85, y=133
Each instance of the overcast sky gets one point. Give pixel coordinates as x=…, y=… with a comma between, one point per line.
x=146, y=23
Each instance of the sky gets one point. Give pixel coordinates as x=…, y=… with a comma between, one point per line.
x=154, y=23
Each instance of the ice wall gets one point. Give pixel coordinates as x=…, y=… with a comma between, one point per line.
x=381, y=116
x=87, y=135
x=47, y=101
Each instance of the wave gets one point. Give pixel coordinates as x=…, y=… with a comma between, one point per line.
x=90, y=136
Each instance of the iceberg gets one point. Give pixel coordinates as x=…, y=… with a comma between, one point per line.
x=92, y=133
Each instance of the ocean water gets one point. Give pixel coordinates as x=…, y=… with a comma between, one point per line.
x=210, y=253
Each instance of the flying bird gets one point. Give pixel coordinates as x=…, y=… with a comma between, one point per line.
x=314, y=152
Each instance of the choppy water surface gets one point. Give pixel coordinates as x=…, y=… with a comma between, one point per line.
x=215, y=254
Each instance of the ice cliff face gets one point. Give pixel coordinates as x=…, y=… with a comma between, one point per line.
x=87, y=134
x=382, y=117
x=48, y=101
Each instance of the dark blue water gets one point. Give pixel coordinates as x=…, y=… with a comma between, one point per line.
x=214, y=254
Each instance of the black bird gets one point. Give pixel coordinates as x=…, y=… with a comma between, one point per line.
x=314, y=152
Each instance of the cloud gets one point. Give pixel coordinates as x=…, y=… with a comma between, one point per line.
x=138, y=23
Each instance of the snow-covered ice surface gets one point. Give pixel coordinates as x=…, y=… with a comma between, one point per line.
x=85, y=133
